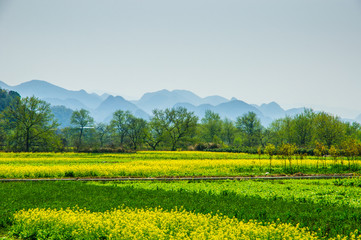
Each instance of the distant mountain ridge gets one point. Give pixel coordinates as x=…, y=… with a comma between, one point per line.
x=45, y=90
x=167, y=99
x=102, y=107
x=112, y=104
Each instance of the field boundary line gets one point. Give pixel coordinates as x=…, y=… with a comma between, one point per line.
x=174, y=178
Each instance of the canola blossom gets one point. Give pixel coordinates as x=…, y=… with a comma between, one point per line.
x=156, y=223
x=159, y=164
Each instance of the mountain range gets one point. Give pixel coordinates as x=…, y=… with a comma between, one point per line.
x=102, y=107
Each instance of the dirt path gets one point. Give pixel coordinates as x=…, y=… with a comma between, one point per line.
x=179, y=178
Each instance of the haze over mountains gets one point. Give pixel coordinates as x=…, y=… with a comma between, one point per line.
x=102, y=107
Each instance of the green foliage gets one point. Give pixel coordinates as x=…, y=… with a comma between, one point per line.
x=178, y=125
x=102, y=133
x=128, y=130
x=81, y=120
x=287, y=150
x=320, y=149
x=334, y=152
x=329, y=130
x=349, y=182
x=228, y=131
x=179, y=129
x=119, y=125
x=303, y=127
x=30, y=125
x=211, y=126
x=6, y=97
x=350, y=148
x=136, y=131
x=270, y=150
x=250, y=126
x=156, y=132
x=320, y=205
x=353, y=130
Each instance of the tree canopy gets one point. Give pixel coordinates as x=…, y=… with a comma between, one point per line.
x=27, y=124
x=81, y=120
x=30, y=125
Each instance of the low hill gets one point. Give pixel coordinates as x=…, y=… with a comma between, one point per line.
x=106, y=109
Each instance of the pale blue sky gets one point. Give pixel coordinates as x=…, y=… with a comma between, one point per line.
x=294, y=52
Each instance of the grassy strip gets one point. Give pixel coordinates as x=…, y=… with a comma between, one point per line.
x=340, y=192
x=326, y=219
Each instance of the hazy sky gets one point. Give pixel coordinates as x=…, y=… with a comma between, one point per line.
x=294, y=52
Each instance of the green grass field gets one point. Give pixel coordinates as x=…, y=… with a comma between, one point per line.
x=327, y=207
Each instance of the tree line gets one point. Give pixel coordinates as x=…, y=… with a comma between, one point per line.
x=27, y=124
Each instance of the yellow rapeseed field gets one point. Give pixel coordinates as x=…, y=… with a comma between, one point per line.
x=147, y=164
x=129, y=223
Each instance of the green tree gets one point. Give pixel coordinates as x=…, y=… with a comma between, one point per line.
x=228, y=131
x=30, y=125
x=211, y=126
x=119, y=124
x=287, y=132
x=178, y=124
x=274, y=134
x=353, y=130
x=329, y=129
x=81, y=120
x=250, y=126
x=136, y=131
x=350, y=148
x=6, y=97
x=303, y=128
x=102, y=132
x=334, y=152
x=155, y=133
x=320, y=149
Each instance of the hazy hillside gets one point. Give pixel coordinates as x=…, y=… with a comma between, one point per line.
x=106, y=109
x=45, y=90
x=167, y=99
x=198, y=110
x=214, y=100
x=69, y=103
x=230, y=110
x=62, y=115
x=294, y=111
x=102, y=107
x=272, y=110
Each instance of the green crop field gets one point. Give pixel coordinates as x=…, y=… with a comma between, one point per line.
x=263, y=209
x=326, y=207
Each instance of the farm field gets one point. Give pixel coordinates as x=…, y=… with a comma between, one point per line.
x=294, y=209
x=262, y=209
x=164, y=164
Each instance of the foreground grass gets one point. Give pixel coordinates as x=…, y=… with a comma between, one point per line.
x=307, y=203
x=162, y=164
